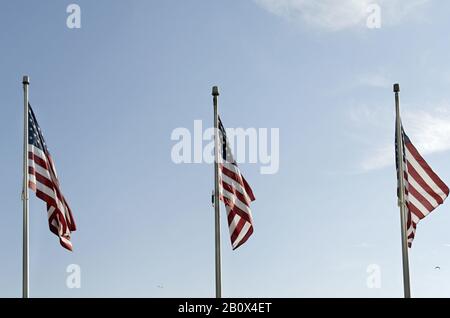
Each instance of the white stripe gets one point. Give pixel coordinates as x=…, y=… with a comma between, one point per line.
x=413, y=200
x=48, y=191
x=42, y=187
x=40, y=154
x=42, y=171
x=45, y=173
x=233, y=168
x=410, y=230
x=424, y=193
x=53, y=168
x=55, y=224
x=66, y=241
x=235, y=185
x=59, y=226
x=234, y=199
x=31, y=178
x=414, y=217
x=424, y=175
x=50, y=211
x=234, y=222
x=52, y=177
x=242, y=233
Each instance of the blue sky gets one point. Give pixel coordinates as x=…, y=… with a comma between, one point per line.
x=109, y=95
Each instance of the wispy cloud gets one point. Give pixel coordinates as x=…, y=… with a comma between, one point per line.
x=335, y=15
x=374, y=80
x=363, y=245
x=380, y=157
x=428, y=130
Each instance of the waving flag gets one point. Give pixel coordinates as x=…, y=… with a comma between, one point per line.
x=44, y=182
x=235, y=193
x=424, y=190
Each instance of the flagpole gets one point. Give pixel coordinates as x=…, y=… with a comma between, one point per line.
x=215, y=94
x=25, y=258
x=402, y=202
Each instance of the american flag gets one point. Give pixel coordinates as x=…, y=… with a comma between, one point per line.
x=235, y=193
x=424, y=190
x=43, y=180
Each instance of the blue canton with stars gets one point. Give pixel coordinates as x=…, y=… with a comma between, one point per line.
x=35, y=137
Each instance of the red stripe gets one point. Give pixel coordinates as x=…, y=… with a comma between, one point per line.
x=415, y=211
x=236, y=209
x=231, y=174
x=47, y=182
x=246, y=236
x=411, y=227
x=409, y=222
x=69, y=217
x=239, y=179
x=62, y=227
x=248, y=190
x=57, y=214
x=60, y=221
x=47, y=165
x=38, y=160
x=54, y=230
x=66, y=246
x=427, y=168
x=420, y=198
x=230, y=215
x=32, y=185
x=46, y=198
x=42, y=180
x=415, y=175
x=235, y=192
x=237, y=230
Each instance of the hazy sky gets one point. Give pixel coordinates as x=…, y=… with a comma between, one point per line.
x=109, y=95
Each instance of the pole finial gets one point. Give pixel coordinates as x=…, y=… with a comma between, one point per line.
x=215, y=91
x=26, y=80
x=396, y=88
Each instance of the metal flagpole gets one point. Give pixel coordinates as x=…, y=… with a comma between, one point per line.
x=402, y=202
x=25, y=264
x=215, y=94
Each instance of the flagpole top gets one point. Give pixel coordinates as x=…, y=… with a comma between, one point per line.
x=215, y=91
x=26, y=80
x=396, y=88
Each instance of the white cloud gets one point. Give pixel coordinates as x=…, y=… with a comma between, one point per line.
x=429, y=131
x=363, y=245
x=374, y=80
x=379, y=157
x=335, y=15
